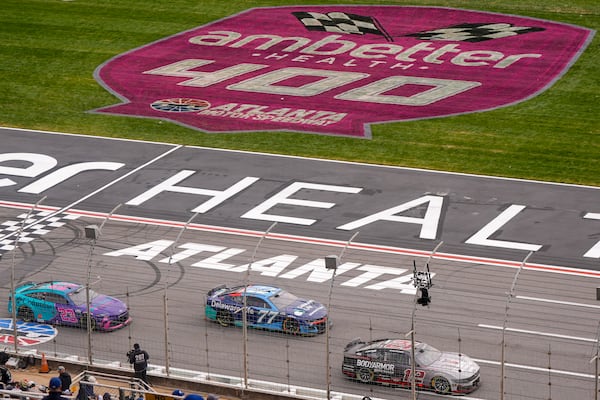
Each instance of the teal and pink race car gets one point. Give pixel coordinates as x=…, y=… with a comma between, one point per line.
x=267, y=307
x=66, y=303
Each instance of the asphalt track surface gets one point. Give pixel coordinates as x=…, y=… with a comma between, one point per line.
x=485, y=228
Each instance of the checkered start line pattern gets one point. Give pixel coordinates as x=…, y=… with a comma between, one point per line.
x=30, y=226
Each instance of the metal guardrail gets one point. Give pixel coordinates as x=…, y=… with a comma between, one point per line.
x=23, y=395
x=230, y=383
x=124, y=389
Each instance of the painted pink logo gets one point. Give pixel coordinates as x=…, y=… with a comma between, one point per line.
x=338, y=69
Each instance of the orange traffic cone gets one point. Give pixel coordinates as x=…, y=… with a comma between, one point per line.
x=44, y=368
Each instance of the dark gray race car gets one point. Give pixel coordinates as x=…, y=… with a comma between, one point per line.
x=388, y=361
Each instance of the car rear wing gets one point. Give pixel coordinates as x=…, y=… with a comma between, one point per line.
x=353, y=343
x=218, y=289
x=25, y=285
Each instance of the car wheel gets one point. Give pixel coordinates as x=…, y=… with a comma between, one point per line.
x=224, y=318
x=83, y=322
x=365, y=375
x=25, y=313
x=291, y=326
x=441, y=385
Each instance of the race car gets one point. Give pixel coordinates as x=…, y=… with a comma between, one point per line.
x=388, y=362
x=65, y=303
x=267, y=307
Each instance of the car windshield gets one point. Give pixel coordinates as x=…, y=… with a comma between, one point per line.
x=79, y=296
x=426, y=355
x=283, y=299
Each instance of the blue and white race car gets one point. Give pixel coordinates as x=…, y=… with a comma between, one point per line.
x=267, y=307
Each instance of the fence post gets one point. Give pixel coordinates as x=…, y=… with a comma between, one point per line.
x=332, y=262
x=245, y=307
x=418, y=283
x=12, y=275
x=508, y=299
x=595, y=361
x=165, y=296
x=93, y=233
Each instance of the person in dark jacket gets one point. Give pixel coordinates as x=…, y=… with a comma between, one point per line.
x=5, y=377
x=54, y=390
x=139, y=359
x=65, y=378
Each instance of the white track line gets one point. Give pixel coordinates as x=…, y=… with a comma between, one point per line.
x=537, y=369
x=568, y=303
x=539, y=333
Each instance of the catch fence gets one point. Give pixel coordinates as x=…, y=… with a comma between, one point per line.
x=163, y=272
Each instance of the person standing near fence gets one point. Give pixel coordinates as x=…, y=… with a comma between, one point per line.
x=139, y=359
x=65, y=378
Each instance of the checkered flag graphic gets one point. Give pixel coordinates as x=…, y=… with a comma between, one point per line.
x=474, y=33
x=35, y=224
x=341, y=22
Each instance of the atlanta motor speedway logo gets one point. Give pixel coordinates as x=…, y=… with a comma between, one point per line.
x=339, y=69
x=28, y=333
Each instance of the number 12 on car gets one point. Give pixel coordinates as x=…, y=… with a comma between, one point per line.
x=419, y=376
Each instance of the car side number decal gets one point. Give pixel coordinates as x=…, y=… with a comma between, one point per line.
x=266, y=314
x=419, y=376
x=66, y=314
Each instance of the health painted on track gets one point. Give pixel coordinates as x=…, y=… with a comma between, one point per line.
x=424, y=214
